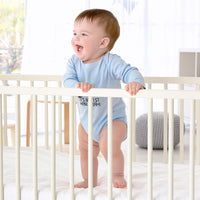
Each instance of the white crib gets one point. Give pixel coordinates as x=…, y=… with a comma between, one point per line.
x=47, y=173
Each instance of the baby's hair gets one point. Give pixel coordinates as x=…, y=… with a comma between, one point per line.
x=104, y=18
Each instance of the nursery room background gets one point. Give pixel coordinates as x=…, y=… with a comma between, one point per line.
x=39, y=156
x=35, y=35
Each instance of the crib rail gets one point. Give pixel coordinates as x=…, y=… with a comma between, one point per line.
x=172, y=80
x=33, y=81
x=26, y=77
x=68, y=92
x=150, y=95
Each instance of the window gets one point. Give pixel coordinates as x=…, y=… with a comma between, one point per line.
x=11, y=35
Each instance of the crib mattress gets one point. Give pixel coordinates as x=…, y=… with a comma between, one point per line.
x=139, y=178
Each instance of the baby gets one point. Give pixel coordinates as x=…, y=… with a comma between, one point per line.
x=93, y=66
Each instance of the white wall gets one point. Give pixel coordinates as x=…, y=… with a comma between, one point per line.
x=152, y=32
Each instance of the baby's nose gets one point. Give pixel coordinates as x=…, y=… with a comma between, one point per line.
x=77, y=37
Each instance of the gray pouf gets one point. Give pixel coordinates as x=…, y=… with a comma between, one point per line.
x=158, y=123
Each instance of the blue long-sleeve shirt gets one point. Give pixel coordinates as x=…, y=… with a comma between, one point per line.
x=105, y=73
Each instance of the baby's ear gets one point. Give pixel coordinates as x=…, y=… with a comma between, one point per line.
x=104, y=42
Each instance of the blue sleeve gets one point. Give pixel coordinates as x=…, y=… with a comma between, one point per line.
x=125, y=72
x=70, y=79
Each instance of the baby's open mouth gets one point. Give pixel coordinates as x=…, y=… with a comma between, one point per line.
x=79, y=48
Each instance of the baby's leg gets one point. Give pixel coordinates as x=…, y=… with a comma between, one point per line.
x=119, y=133
x=83, y=147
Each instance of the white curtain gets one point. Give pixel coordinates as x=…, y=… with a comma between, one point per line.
x=47, y=35
x=152, y=33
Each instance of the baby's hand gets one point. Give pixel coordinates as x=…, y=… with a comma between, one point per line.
x=133, y=88
x=85, y=87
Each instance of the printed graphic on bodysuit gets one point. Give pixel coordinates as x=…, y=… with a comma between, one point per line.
x=84, y=101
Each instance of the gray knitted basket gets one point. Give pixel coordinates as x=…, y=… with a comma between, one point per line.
x=158, y=123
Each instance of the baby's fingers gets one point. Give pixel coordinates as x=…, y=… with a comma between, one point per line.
x=85, y=87
x=133, y=88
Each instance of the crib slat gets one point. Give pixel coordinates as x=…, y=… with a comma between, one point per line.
x=5, y=132
x=60, y=122
x=46, y=111
x=17, y=135
x=35, y=155
x=75, y=145
x=71, y=153
x=90, y=148
x=131, y=112
x=150, y=149
x=165, y=132
x=198, y=129
x=1, y=153
x=31, y=116
x=53, y=151
x=165, y=128
x=60, y=118
x=192, y=137
x=110, y=148
x=133, y=103
x=171, y=147
x=31, y=119
x=198, y=133
x=181, y=108
x=5, y=121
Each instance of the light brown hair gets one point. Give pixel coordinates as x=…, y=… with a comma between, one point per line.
x=104, y=18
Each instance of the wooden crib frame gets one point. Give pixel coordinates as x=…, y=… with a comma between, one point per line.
x=150, y=94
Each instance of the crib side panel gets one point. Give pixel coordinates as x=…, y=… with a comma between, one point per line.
x=169, y=99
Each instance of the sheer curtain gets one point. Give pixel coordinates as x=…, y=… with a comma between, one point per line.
x=152, y=33
x=47, y=35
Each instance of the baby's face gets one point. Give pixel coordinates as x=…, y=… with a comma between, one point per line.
x=87, y=40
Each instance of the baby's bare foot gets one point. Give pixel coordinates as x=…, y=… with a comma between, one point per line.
x=119, y=182
x=83, y=184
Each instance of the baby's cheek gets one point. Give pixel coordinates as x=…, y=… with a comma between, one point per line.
x=72, y=42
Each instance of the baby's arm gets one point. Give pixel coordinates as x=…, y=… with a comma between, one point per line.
x=85, y=87
x=133, y=87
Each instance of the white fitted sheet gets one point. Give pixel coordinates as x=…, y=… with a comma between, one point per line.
x=139, y=178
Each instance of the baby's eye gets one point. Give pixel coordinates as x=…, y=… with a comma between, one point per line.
x=74, y=34
x=84, y=34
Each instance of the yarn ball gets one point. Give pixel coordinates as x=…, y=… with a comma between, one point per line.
x=158, y=124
